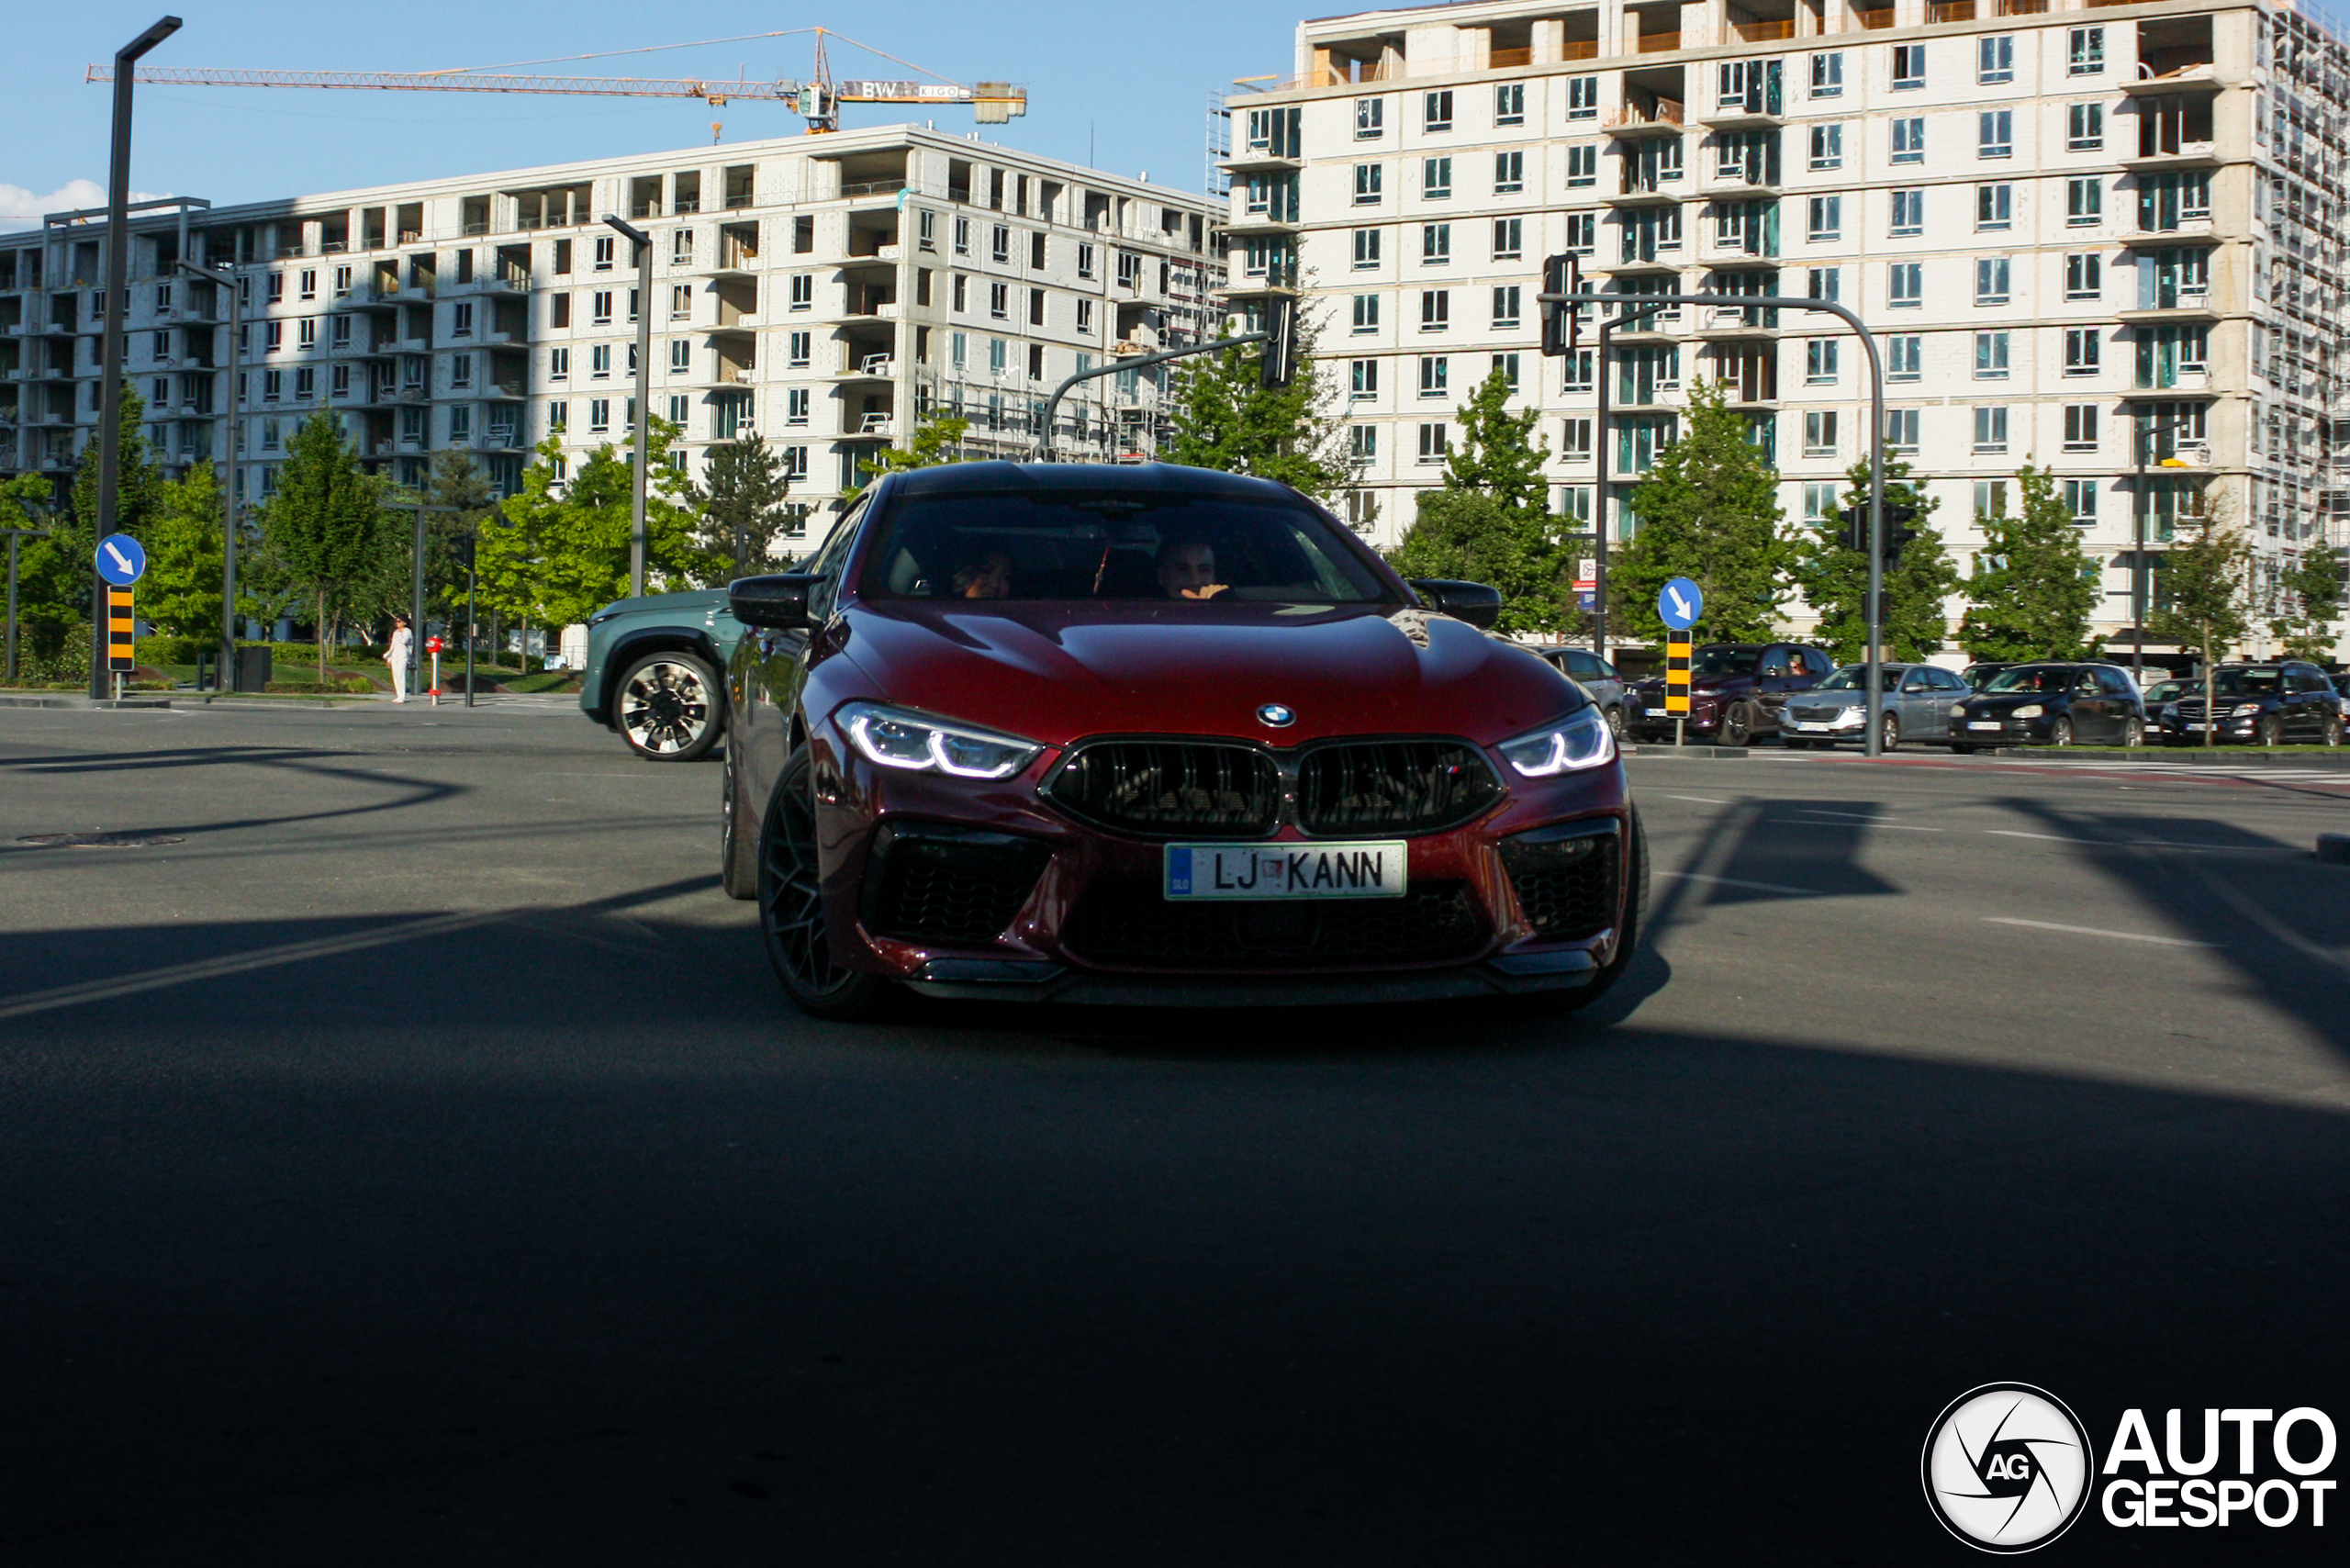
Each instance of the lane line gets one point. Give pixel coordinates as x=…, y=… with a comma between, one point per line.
x=1734, y=882
x=1872, y=822
x=1702, y=799
x=2051, y=838
x=2094, y=931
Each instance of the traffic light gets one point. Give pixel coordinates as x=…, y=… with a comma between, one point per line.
x=1279, y=367
x=1560, y=323
x=1898, y=535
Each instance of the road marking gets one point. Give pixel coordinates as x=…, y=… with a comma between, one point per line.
x=1702, y=799
x=2093, y=930
x=1722, y=882
x=1872, y=822
x=2050, y=838
x=2132, y=842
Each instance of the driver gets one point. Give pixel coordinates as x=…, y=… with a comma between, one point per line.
x=1187, y=569
x=988, y=577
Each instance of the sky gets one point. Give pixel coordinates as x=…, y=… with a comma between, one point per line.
x=1121, y=87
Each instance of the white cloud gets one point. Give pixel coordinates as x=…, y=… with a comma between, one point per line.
x=22, y=208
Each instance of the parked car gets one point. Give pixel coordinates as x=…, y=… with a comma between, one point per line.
x=1978, y=675
x=1595, y=676
x=1736, y=690
x=2273, y=704
x=652, y=672
x=1918, y=700
x=1158, y=736
x=2051, y=704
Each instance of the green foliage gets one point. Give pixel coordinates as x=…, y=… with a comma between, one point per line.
x=181, y=593
x=1225, y=420
x=935, y=441
x=1471, y=536
x=745, y=490
x=1709, y=512
x=54, y=575
x=1835, y=581
x=2311, y=595
x=323, y=527
x=559, y=551
x=2032, y=587
x=1497, y=453
x=2206, y=587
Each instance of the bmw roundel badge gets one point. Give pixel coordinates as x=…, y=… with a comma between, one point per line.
x=1277, y=716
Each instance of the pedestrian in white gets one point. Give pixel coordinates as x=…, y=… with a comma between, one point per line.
x=397, y=656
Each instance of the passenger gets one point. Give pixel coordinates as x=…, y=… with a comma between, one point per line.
x=988, y=577
x=1187, y=569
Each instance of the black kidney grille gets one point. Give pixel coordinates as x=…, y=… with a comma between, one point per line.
x=949, y=885
x=1169, y=788
x=1116, y=924
x=1566, y=885
x=1393, y=787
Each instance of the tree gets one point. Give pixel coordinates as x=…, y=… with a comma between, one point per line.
x=181, y=593
x=1835, y=581
x=743, y=509
x=562, y=553
x=26, y=501
x=2311, y=589
x=2206, y=586
x=2032, y=587
x=323, y=526
x=1498, y=454
x=936, y=440
x=53, y=574
x=1225, y=420
x=1707, y=511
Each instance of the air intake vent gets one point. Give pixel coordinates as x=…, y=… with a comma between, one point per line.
x=1170, y=789
x=1413, y=787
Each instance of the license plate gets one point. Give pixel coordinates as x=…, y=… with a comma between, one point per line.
x=1286, y=870
x=1806, y=724
x=1653, y=713
x=1985, y=725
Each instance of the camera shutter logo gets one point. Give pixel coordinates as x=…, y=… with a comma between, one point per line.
x=2007, y=1467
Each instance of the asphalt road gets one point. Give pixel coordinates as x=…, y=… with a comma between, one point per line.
x=415, y=1163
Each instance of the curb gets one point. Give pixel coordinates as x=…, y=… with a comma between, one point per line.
x=1685, y=750
x=2245, y=756
x=66, y=701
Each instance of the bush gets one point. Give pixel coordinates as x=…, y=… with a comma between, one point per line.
x=63, y=663
x=175, y=650
x=341, y=687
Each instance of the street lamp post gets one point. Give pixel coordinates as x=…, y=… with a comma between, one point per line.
x=2141, y=497
x=226, y=281
x=117, y=286
x=643, y=243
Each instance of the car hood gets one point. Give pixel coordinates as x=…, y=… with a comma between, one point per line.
x=1054, y=672
x=1705, y=685
x=2000, y=701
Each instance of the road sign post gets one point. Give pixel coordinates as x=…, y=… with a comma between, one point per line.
x=1678, y=605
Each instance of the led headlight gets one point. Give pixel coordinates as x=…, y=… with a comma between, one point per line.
x=916, y=742
x=1958, y=710
x=2244, y=710
x=1577, y=741
x=2029, y=711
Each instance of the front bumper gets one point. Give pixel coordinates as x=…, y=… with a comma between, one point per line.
x=1851, y=726
x=2177, y=729
x=2002, y=732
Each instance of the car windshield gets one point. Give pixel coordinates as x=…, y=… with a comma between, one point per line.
x=2032, y=678
x=1724, y=661
x=2247, y=682
x=1121, y=545
x=2165, y=692
x=1855, y=677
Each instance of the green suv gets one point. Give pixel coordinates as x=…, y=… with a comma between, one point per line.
x=652, y=672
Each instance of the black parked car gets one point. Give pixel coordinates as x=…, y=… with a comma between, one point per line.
x=2262, y=705
x=2051, y=704
x=1978, y=675
x=1736, y=690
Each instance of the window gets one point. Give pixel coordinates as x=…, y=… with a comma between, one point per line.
x=1904, y=357
x=1509, y=238
x=1436, y=110
x=2085, y=128
x=1367, y=183
x=681, y=302
x=796, y=347
x=1995, y=207
x=2174, y=200
x=1365, y=249
x=1995, y=59
x=962, y=236
x=1909, y=66
x=996, y=357
x=2085, y=52
x=1084, y=315
x=1583, y=234
x=1365, y=313
x=310, y=280
x=1639, y=439
x=1435, y=442
x=1909, y=140
x=1583, y=166
x=305, y=382
x=1000, y=243
x=1583, y=97
x=1819, y=356
x=926, y=228
x=1990, y=497
x=1819, y=432
x=1371, y=118
x=1901, y=429
x=681, y=356
x=600, y=415
x=1828, y=75
x=1509, y=103
x=1036, y=362
x=1435, y=177
x=1906, y=286
x=795, y=406
x=1991, y=428
x=1036, y=247
x=961, y=292
x=1000, y=301
x=2082, y=346
x=680, y=410
x=600, y=308
x=604, y=253
x=958, y=349
x=1362, y=444
x=272, y=336
x=1826, y=217
x=276, y=295
x=1436, y=244
x=795, y=464
x=1820, y=503
x=803, y=291
x=1035, y=306
x=1362, y=380
x=1576, y=371
x=1990, y=356
x=1574, y=440
x=1994, y=133
x=2080, y=496
x=1505, y=305
x=1434, y=368
x=1085, y=258
x=1991, y=280
x=1507, y=365
x=1436, y=309
x=1908, y=212
x=341, y=338
x=558, y=417
x=1825, y=284
x=306, y=330
x=558, y=364
x=269, y=440
x=2084, y=202
x=1828, y=145
x=2080, y=427
x=2084, y=275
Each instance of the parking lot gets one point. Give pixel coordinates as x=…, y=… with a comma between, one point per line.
x=411, y=1157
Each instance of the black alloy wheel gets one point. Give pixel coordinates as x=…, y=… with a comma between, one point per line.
x=738, y=846
x=667, y=706
x=791, y=906
x=2061, y=732
x=1737, y=723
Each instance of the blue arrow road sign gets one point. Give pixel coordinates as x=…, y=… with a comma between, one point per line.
x=120, y=560
x=1680, y=603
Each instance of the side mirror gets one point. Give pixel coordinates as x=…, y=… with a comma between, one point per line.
x=777, y=603
x=1477, y=603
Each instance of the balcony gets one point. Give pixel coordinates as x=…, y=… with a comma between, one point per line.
x=883, y=426
x=2196, y=231
x=1644, y=193
x=1260, y=223
x=2200, y=76
x=871, y=367
x=1663, y=117
x=1261, y=158
x=1667, y=262
x=1658, y=43
x=2181, y=155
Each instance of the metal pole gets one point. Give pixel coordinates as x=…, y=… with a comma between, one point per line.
x=1045, y=436
x=416, y=592
x=473, y=588
x=117, y=286
x=2138, y=564
x=643, y=243
x=13, y=534
x=1599, y=503
x=232, y=427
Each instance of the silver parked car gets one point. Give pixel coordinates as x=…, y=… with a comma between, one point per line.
x=1595, y=676
x=1918, y=700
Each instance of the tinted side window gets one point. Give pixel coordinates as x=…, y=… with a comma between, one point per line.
x=2114, y=682
x=829, y=560
x=1582, y=666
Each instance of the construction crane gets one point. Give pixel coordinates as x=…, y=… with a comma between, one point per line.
x=817, y=99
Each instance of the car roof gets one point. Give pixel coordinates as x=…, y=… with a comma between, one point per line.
x=1167, y=478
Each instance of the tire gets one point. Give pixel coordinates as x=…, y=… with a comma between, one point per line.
x=738, y=843
x=2133, y=734
x=1557, y=1004
x=2061, y=732
x=1961, y=749
x=667, y=706
x=1615, y=717
x=1738, y=725
x=2270, y=731
x=2332, y=734
x=1889, y=732
x=791, y=911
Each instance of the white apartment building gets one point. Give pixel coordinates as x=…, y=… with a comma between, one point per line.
x=2077, y=232
x=816, y=290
